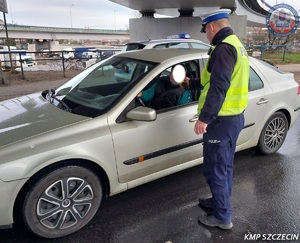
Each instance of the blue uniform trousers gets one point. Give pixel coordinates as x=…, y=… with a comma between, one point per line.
x=218, y=150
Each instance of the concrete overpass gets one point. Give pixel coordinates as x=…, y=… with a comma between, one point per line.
x=186, y=18
x=53, y=33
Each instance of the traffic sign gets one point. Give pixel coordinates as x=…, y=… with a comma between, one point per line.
x=3, y=6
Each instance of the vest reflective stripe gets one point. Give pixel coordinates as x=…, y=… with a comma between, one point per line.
x=236, y=98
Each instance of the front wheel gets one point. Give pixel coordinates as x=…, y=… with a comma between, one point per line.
x=61, y=201
x=273, y=134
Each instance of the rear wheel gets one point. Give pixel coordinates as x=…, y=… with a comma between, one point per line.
x=273, y=134
x=61, y=201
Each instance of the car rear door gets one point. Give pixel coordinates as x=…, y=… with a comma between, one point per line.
x=256, y=113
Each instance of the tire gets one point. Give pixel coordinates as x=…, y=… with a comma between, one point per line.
x=273, y=134
x=61, y=201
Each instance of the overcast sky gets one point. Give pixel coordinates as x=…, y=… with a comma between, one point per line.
x=94, y=14
x=294, y=3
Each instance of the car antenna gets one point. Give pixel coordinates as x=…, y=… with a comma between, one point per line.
x=147, y=37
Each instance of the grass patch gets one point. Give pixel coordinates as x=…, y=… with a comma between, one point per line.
x=280, y=58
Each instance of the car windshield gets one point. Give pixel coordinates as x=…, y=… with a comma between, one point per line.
x=95, y=90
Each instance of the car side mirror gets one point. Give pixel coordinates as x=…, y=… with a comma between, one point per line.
x=141, y=113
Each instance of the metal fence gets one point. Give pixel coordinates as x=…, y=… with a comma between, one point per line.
x=274, y=53
x=60, y=61
x=25, y=61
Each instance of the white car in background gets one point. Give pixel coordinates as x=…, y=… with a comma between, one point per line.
x=63, y=150
x=181, y=43
x=177, y=43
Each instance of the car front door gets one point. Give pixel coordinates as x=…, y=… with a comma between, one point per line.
x=143, y=148
x=152, y=149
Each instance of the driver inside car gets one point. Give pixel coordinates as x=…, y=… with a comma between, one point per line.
x=166, y=92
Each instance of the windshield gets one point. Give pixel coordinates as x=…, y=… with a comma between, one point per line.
x=92, y=92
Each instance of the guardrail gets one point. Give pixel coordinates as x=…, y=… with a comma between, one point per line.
x=29, y=28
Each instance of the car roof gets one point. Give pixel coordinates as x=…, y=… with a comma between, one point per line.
x=161, y=55
x=145, y=42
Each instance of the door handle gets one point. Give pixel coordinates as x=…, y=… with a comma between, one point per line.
x=194, y=118
x=262, y=101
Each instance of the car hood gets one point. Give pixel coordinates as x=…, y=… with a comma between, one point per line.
x=29, y=116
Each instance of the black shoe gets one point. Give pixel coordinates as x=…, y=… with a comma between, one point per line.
x=212, y=221
x=206, y=203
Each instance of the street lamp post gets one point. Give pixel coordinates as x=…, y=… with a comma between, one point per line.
x=115, y=19
x=71, y=14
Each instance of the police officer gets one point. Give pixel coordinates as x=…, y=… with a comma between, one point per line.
x=221, y=105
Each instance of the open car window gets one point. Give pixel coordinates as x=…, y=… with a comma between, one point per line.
x=92, y=94
x=162, y=94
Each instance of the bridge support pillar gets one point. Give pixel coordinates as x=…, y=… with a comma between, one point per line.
x=147, y=13
x=157, y=28
x=186, y=12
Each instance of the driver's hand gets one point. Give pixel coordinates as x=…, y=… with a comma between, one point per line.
x=187, y=80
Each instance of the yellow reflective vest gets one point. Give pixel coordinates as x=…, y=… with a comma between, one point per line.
x=236, y=98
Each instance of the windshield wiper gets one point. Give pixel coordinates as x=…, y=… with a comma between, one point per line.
x=52, y=97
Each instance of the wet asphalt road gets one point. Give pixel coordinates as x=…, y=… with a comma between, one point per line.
x=265, y=200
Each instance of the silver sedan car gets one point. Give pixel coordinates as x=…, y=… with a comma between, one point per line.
x=63, y=150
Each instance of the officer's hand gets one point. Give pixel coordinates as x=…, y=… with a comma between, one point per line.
x=200, y=127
